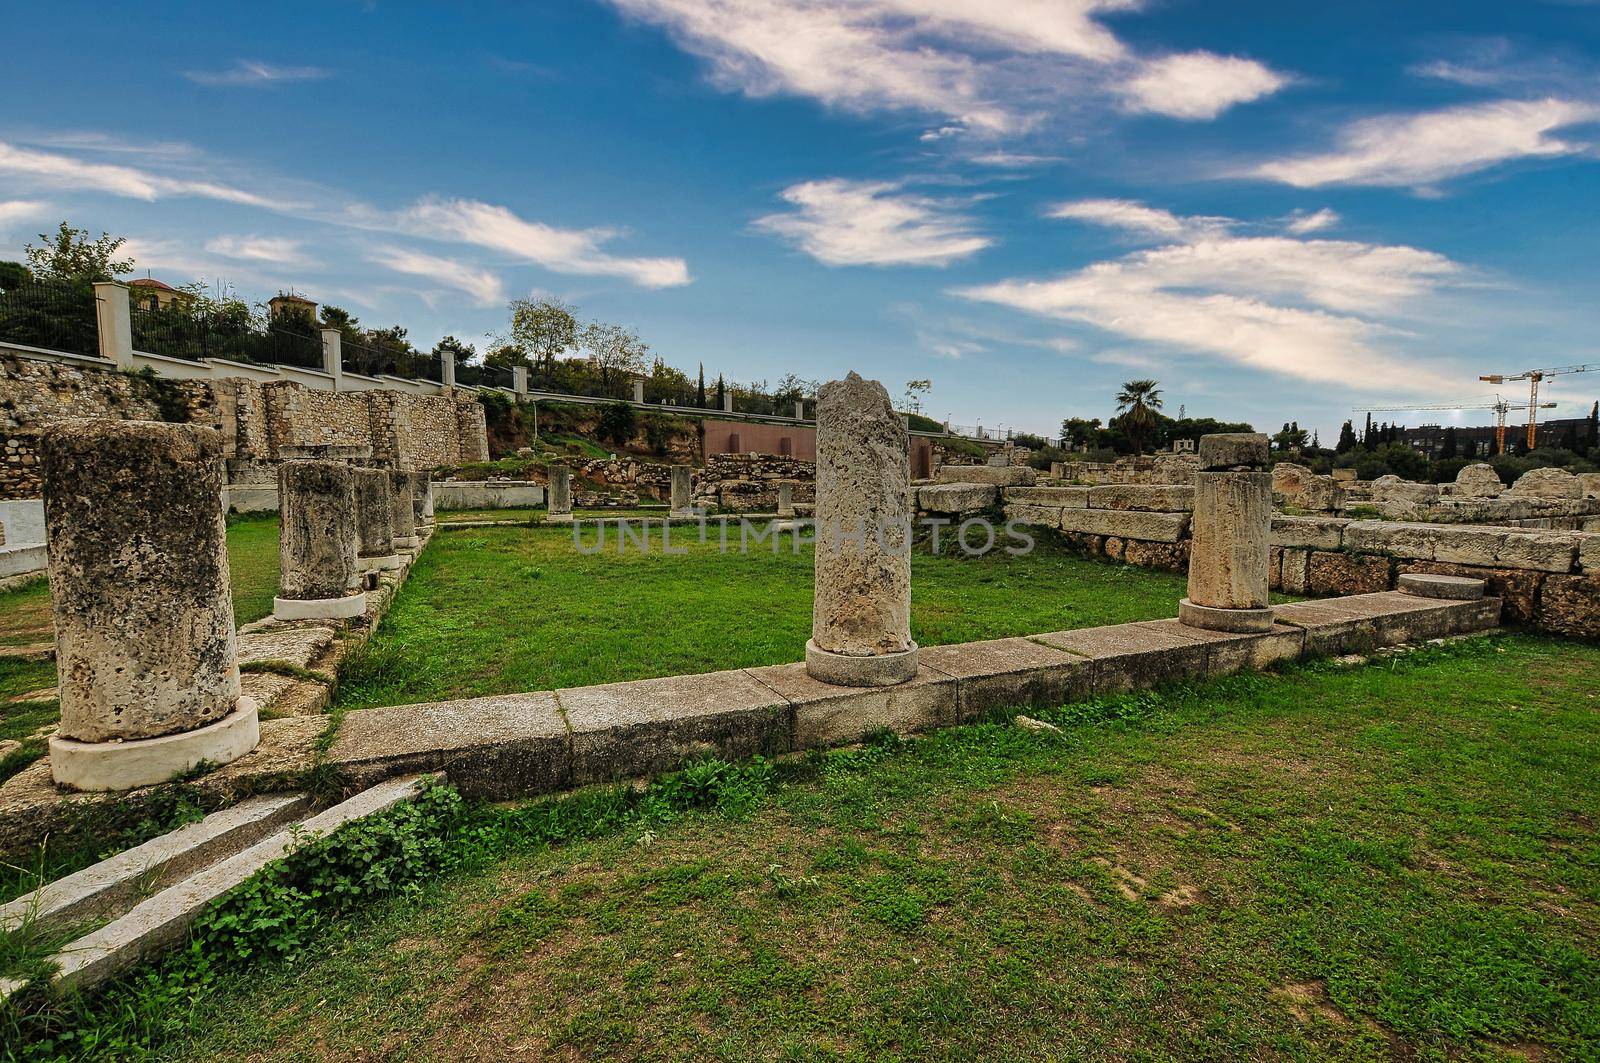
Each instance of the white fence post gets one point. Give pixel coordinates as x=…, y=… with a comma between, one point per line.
x=114, y=321
x=638, y=390
x=519, y=379
x=447, y=369
x=333, y=355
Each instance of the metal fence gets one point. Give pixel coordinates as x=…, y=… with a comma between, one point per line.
x=56, y=316
x=178, y=331
x=484, y=376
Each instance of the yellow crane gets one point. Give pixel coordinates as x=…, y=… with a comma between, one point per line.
x=1534, y=377
x=1500, y=407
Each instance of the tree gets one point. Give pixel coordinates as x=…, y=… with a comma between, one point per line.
x=700, y=388
x=1594, y=427
x=615, y=348
x=1081, y=431
x=617, y=422
x=1291, y=438
x=450, y=345
x=542, y=329
x=1451, y=446
x=70, y=255
x=1138, y=402
x=915, y=391
x=1347, y=438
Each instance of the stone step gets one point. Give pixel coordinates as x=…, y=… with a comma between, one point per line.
x=161, y=921
x=109, y=888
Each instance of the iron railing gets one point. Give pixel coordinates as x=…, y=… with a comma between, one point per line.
x=53, y=315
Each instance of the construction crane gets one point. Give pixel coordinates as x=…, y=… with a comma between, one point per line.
x=1500, y=407
x=1533, y=377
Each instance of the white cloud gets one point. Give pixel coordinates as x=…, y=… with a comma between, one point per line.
x=252, y=73
x=990, y=68
x=63, y=171
x=1417, y=150
x=484, y=287
x=13, y=211
x=1196, y=85
x=274, y=249
x=1012, y=160
x=1301, y=223
x=1137, y=217
x=576, y=251
x=1315, y=310
x=872, y=223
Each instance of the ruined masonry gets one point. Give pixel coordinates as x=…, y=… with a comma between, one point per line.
x=375, y=551
x=861, y=611
x=318, y=578
x=560, y=493
x=149, y=674
x=1232, y=532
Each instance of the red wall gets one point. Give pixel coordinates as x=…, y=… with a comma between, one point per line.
x=720, y=437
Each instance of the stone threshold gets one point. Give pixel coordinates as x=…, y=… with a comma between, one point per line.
x=516, y=745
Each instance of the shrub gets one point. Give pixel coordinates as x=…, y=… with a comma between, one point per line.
x=618, y=422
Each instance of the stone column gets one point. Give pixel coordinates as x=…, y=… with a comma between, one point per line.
x=799, y=409
x=374, y=521
x=421, y=499
x=638, y=390
x=861, y=611
x=1232, y=534
x=402, y=512
x=560, y=504
x=727, y=401
x=317, y=577
x=682, y=491
x=785, y=500
x=145, y=652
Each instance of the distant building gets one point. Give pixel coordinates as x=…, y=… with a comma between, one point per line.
x=290, y=305
x=1477, y=441
x=151, y=294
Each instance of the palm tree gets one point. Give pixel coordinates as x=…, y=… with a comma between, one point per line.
x=1138, y=402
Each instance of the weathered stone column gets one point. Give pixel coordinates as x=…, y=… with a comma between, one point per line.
x=374, y=521
x=402, y=512
x=861, y=611
x=786, y=499
x=145, y=653
x=682, y=491
x=317, y=574
x=1232, y=535
x=421, y=499
x=560, y=504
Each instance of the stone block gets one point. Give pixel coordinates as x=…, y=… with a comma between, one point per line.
x=956, y=498
x=1434, y=585
x=1359, y=623
x=1518, y=589
x=1329, y=572
x=1477, y=481
x=1552, y=552
x=1229, y=450
x=828, y=715
x=1231, y=652
x=1313, y=533
x=1170, y=557
x=1127, y=524
x=1059, y=497
x=1132, y=656
x=1547, y=483
x=494, y=748
x=1113, y=546
x=1047, y=516
x=1569, y=605
x=1589, y=553
x=1147, y=497
x=1295, y=575
x=656, y=725
x=1000, y=476
x=297, y=646
x=1414, y=542
x=1010, y=673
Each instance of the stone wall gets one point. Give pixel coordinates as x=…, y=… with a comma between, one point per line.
x=256, y=420
x=1549, y=580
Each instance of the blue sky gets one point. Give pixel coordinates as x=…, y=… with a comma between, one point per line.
x=1280, y=211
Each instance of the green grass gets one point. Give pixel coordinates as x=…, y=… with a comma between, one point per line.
x=491, y=610
x=1400, y=860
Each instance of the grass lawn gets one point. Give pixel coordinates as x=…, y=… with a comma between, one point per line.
x=1400, y=860
x=491, y=610
x=25, y=621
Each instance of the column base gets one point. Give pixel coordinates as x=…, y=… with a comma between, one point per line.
x=383, y=563
x=680, y=514
x=101, y=766
x=1428, y=585
x=347, y=607
x=407, y=543
x=880, y=670
x=558, y=518
x=1237, y=621
x=784, y=524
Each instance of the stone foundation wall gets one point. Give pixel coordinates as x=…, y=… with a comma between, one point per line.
x=256, y=420
x=1549, y=580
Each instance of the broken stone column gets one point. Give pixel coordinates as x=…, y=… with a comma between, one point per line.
x=317, y=578
x=861, y=612
x=786, y=500
x=682, y=491
x=402, y=512
x=560, y=507
x=374, y=521
x=147, y=664
x=421, y=499
x=1232, y=533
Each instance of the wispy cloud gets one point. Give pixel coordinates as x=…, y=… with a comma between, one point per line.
x=577, y=251
x=1198, y=85
x=1324, y=311
x=277, y=250
x=483, y=286
x=1133, y=216
x=988, y=68
x=253, y=73
x=14, y=211
x=57, y=171
x=841, y=222
x=1419, y=150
